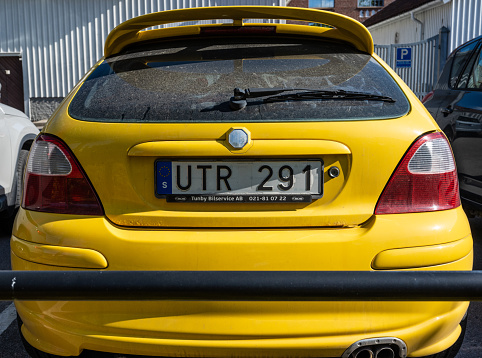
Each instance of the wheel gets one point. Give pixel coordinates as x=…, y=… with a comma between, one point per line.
x=19, y=170
x=32, y=351
x=452, y=351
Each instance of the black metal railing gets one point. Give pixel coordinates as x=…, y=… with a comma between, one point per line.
x=242, y=285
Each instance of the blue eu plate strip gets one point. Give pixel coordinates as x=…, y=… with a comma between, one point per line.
x=163, y=178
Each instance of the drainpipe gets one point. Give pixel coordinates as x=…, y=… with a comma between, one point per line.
x=422, y=25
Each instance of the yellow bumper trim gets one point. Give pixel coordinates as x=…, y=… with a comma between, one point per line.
x=423, y=256
x=58, y=255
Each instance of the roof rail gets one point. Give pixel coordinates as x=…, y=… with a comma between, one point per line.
x=341, y=27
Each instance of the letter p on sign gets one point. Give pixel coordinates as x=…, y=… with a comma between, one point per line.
x=404, y=57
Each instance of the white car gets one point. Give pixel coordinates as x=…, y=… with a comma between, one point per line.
x=17, y=134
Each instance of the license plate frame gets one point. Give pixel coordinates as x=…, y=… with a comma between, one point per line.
x=284, y=172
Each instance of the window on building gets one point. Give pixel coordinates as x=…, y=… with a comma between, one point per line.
x=321, y=3
x=362, y=14
x=370, y=3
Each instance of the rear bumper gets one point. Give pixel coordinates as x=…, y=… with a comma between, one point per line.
x=244, y=329
x=216, y=329
x=146, y=335
x=471, y=200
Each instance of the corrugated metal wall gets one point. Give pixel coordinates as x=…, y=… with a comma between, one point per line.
x=467, y=21
x=60, y=40
x=462, y=17
x=435, y=18
x=408, y=30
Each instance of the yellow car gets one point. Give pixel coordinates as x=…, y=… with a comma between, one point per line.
x=241, y=146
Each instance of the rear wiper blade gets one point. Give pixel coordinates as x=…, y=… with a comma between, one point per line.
x=240, y=96
x=340, y=94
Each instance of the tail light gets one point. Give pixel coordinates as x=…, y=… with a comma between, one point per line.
x=427, y=97
x=55, y=181
x=425, y=179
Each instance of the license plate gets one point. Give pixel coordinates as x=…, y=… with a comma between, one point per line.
x=260, y=181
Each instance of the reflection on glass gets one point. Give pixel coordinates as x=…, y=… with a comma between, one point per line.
x=475, y=80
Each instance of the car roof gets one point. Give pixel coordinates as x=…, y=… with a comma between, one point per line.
x=336, y=26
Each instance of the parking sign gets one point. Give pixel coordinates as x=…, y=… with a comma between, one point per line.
x=404, y=57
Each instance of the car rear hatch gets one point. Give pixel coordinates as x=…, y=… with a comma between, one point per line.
x=175, y=133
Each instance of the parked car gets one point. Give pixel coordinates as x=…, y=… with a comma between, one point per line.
x=17, y=134
x=456, y=105
x=241, y=147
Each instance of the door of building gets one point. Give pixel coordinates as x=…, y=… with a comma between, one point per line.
x=11, y=81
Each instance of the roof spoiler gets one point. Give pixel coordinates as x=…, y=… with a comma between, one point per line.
x=340, y=27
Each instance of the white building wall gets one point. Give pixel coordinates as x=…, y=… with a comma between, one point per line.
x=435, y=15
x=462, y=17
x=467, y=21
x=403, y=30
x=60, y=40
x=435, y=19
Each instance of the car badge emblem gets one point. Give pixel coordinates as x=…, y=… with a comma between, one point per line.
x=238, y=138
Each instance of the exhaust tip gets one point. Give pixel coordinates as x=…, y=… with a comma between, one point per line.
x=363, y=353
x=385, y=352
x=385, y=347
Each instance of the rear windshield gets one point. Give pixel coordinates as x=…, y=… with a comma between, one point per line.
x=194, y=81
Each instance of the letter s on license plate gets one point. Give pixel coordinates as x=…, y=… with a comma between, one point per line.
x=263, y=181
